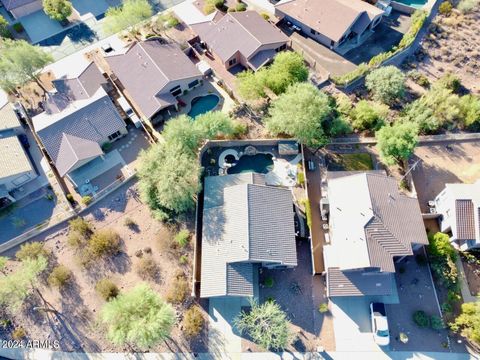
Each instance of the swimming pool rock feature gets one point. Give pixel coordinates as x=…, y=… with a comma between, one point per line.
x=222, y=159
x=250, y=150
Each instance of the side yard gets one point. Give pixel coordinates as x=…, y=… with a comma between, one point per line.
x=77, y=304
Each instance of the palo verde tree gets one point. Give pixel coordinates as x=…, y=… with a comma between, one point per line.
x=396, y=142
x=20, y=63
x=129, y=14
x=58, y=10
x=19, y=284
x=386, y=84
x=267, y=325
x=169, y=171
x=302, y=112
x=139, y=317
x=287, y=68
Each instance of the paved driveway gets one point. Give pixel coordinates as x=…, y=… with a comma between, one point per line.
x=223, y=341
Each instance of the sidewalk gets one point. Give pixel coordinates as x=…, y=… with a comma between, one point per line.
x=34, y=354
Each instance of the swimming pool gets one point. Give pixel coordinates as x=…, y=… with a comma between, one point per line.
x=413, y=3
x=203, y=104
x=260, y=163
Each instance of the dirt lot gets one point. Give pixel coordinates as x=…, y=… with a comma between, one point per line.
x=78, y=304
x=459, y=162
x=452, y=46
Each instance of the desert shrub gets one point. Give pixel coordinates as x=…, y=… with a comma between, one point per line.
x=18, y=27
x=323, y=308
x=269, y=282
x=182, y=238
x=386, y=84
x=419, y=78
x=300, y=178
x=345, y=79
x=104, y=242
x=453, y=296
x=193, y=321
x=447, y=308
x=129, y=222
x=32, y=250
x=80, y=226
x=147, y=268
x=59, y=276
x=465, y=6
x=106, y=289
x=18, y=333
x=70, y=198
x=178, y=291
x=231, y=9
x=436, y=323
x=87, y=200
x=265, y=15
x=449, y=81
x=308, y=211
x=211, y=5
x=183, y=259
x=421, y=319
x=445, y=8
x=241, y=7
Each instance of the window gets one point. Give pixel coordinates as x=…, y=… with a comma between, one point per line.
x=175, y=91
x=313, y=32
x=114, y=135
x=232, y=62
x=193, y=84
x=281, y=48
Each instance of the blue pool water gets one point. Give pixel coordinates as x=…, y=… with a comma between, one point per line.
x=260, y=163
x=203, y=104
x=413, y=3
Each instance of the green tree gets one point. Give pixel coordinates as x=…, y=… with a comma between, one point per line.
x=31, y=250
x=442, y=259
x=3, y=263
x=287, y=68
x=301, y=112
x=367, y=115
x=58, y=10
x=20, y=63
x=397, y=142
x=266, y=324
x=468, y=322
x=128, y=15
x=439, y=246
x=4, y=32
x=386, y=84
x=169, y=171
x=470, y=110
x=138, y=317
x=18, y=285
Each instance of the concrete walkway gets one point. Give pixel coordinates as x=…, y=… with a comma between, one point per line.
x=222, y=340
x=35, y=354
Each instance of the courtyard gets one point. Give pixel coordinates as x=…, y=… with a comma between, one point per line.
x=442, y=163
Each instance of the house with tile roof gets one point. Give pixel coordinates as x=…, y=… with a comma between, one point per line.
x=9, y=123
x=15, y=168
x=19, y=8
x=371, y=225
x=246, y=225
x=152, y=74
x=244, y=38
x=331, y=22
x=74, y=135
x=459, y=208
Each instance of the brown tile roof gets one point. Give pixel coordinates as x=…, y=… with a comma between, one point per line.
x=359, y=283
x=242, y=32
x=147, y=68
x=331, y=18
x=465, y=219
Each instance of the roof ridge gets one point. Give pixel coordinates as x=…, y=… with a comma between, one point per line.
x=153, y=61
x=239, y=23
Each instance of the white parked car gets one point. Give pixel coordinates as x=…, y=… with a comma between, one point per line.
x=129, y=112
x=379, y=324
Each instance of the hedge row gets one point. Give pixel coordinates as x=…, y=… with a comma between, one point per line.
x=418, y=19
